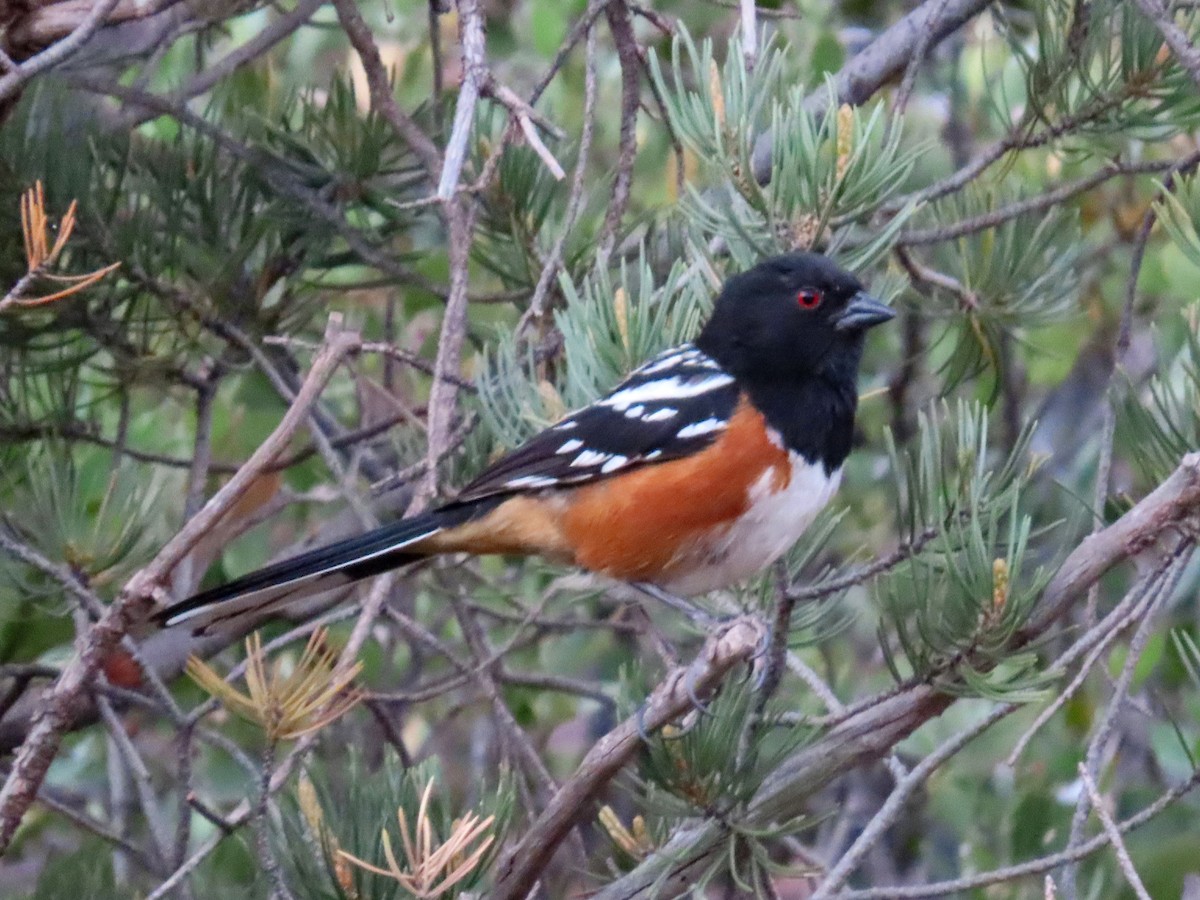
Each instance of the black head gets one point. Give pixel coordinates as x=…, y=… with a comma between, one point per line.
x=791, y=317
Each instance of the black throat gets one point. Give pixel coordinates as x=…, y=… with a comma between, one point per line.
x=814, y=412
x=815, y=417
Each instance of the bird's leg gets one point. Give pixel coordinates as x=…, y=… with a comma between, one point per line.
x=639, y=718
x=689, y=684
x=639, y=722
x=694, y=613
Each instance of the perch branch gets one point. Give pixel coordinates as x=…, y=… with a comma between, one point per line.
x=137, y=597
x=724, y=649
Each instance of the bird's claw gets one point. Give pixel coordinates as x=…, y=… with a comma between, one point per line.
x=639, y=723
x=764, y=642
x=689, y=685
x=694, y=613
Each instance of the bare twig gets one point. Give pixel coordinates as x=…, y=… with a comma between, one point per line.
x=1107, y=724
x=1129, y=610
x=136, y=598
x=136, y=767
x=880, y=61
x=460, y=213
x=894, y=805
x=918, y=56
x=443, y=394
x=1008, y=874
x=1114, y=835
x=550, y=268
x=11, y=82
x=529, y=120
x=620, y=23
x=273, y=33
x=474, y=75
x=731, y=644
x=1176, y=38
x=380, y=86
x=67, y=809
x=1052, y=197
x=835, y=585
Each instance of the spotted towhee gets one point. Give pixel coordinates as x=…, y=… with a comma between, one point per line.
x=701, y=468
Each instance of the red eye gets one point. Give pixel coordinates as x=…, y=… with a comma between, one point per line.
x=809, y=299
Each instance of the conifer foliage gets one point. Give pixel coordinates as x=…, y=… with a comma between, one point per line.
x=274, y=273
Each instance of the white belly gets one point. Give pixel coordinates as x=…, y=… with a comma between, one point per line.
x=771, y=524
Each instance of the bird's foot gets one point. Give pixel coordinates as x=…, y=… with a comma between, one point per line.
x=695, y=614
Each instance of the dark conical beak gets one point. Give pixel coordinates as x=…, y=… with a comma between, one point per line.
x=862, y=312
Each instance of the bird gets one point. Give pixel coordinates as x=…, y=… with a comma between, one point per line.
x=701, y=468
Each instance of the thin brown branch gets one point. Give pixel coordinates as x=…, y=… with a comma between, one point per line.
x=1114, y=835
x=383, y=101
x=620, y=23
x=960, y=886
x=67, y=809
x=893, y=807
x=1106, y=728
x=837, y=584
x=1052, y=197
x=443, y=394
x=868, y=732
x=726, y=647
x=138, y=596
x=909, y=81
x=56, y=53
x=553, y=263
x=1176, y=38
x=1094, y=643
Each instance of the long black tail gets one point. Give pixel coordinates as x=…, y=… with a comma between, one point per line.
x=325, y=568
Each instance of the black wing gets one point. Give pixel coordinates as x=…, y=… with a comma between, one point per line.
x=674, y=405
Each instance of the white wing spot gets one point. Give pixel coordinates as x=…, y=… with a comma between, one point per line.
x=696, y=429
x=661, y=415
x=570, y=446
x=680, y=356
x=531, y=481
x=566, y=426
x=673, y=388
x=634, y=411
x=589, y=458
x=666, y=361
x=653, y=454
x=613, y=464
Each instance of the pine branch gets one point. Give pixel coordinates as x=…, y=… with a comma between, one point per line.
x=519, y=869
x=1049, y=863
x=882, y=60
x=56, y=53
x=1177, y=39
x=138, y=596
x=870, y=733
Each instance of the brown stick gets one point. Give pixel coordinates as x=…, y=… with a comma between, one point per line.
x=137, y=597
x=725, y=648
x=1175, y=502
x=872, y=731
